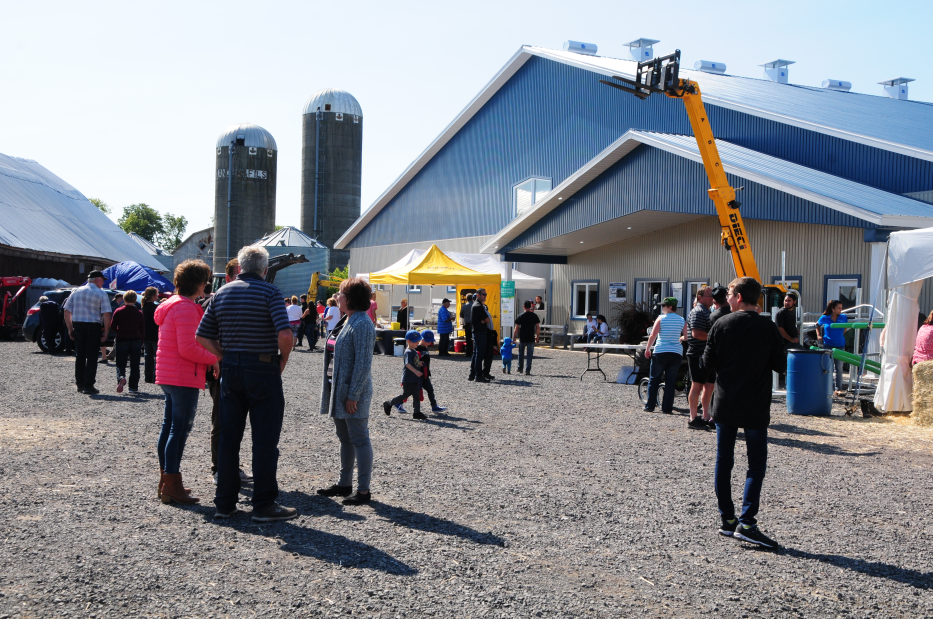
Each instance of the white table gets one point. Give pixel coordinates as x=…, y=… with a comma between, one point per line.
x=601, y=349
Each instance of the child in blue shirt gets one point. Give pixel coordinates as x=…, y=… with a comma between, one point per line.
x=506, y=351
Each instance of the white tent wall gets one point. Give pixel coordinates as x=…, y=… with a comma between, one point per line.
x=909, y=261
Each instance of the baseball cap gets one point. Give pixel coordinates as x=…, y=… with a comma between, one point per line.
x=671, y=301
x=719, y=294
x=445, y=301
x=413, y=336
x=95, y=274
x=428, y=336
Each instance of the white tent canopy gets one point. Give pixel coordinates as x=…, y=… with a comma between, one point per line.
x=484, y=263
x=908, y=262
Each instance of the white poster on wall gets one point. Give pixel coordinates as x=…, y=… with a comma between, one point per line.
x=617, y=292
x=677, y=291
x=507, y=305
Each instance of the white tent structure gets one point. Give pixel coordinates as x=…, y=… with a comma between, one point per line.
x=483, y=263
x=909, y=260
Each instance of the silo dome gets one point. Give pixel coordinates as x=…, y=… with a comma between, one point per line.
x=252, y=135
x=340, y=101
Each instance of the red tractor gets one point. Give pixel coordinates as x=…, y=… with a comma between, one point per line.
x=13, y=308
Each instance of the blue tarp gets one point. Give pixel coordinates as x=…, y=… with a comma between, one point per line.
x=134, y=276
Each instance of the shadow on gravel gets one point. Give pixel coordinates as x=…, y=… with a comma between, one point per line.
x=829, y=450
x=441, y=420
x=317, y=505
x=335, y=549
x=921, y=580
x=789, y=429
x=430, y=524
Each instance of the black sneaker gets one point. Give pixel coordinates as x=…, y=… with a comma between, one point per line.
x=387, y=407
x=697, y=423
x=222, y=515
x=357, y=498
x=90, y=391
x=481, y=379
x=648, y=410
x=274, y=513
x=754, y=535
x=527, y=372
x=418, y=415
x=336, y=490
x=471, y=378
x=727, y=528
x=79, y=387
x=489, y=377
x=519, y=370
x=710, y=423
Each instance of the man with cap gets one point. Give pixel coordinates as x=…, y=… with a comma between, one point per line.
x=87, y=316
x=722, y=308
x=666, y=357
x=482, y=322
x=412, y=373
x=445, y=326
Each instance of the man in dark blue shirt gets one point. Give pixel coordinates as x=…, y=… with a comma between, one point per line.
x=247, y=327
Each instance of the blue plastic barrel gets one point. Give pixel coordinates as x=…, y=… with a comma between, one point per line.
x=809, y=382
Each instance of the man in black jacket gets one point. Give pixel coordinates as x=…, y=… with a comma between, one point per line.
x=481, y=322
x=743, y=349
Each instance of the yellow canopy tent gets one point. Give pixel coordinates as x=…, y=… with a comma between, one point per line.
x=435, y=268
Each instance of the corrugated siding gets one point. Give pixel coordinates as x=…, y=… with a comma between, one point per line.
x=551, y=118
x=649, y=178
x=692, y=251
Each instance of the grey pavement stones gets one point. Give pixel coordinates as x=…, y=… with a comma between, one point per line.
x=539, y=496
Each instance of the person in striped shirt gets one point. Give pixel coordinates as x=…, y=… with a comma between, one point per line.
x=246, y=327
x=666, y=356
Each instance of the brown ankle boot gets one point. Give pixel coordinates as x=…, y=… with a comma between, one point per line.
x=162, y=483
x=173, y=489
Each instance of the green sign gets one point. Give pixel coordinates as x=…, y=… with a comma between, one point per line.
x=507, y=290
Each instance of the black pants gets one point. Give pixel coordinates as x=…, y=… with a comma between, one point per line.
x=492, y=338
x=301, y=333
x=479, y=353
x=468, y=330
x=429, y=389
x=129, y=350
x=149, y=354
x=87, y=347
x=409, y=390
x=311, y=330
x=444, y=345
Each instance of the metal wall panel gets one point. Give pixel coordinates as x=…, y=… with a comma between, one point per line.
x=551, y=118
x=692, y=251
x=653, y=179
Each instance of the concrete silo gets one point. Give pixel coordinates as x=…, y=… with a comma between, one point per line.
x=250, y=151
x=331, y=168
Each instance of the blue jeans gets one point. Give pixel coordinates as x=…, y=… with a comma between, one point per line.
x=523, y=349
x=664, y=365
x=249, y=387
x=479, y=352
x=756, y=444
x=129, y=350
x=837, y=367
x=311, y=331
x=507, y=364
x=355, y=448
x=181, y=403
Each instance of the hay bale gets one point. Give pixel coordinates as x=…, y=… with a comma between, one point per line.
x=923, y=394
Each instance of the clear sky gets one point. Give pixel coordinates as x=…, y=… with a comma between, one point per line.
x=125, y=100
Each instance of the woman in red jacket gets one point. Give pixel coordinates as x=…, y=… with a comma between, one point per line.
x=181, y=364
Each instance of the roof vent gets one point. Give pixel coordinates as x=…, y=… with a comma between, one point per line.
x=641, y=49
x=708, y=66
x=837, y=85
x=577, y=47
x=776, y=70
x=897, y=88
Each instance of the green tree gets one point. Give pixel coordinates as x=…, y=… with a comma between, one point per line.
x=337, y=275
x=143, y=220
x=278, y=227
x=173, y=232
x=103, y=206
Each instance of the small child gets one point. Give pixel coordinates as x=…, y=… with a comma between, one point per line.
x=427, y=339
x=411, y=377
x=506, y=351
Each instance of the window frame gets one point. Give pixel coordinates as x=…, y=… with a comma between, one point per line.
x=534, y=193
x=573, y=298
x=856, y=276
x=653, y=280
x=412, y=289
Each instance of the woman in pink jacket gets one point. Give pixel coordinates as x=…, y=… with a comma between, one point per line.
x=181, y=364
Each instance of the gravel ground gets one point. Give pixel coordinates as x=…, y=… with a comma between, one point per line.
x=533, y=497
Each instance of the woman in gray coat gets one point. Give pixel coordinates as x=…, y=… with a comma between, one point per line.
x=347, y=389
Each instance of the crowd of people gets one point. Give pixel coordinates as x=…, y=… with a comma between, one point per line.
x=237, y=343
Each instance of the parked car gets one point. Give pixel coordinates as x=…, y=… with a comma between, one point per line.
x=60, y=341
